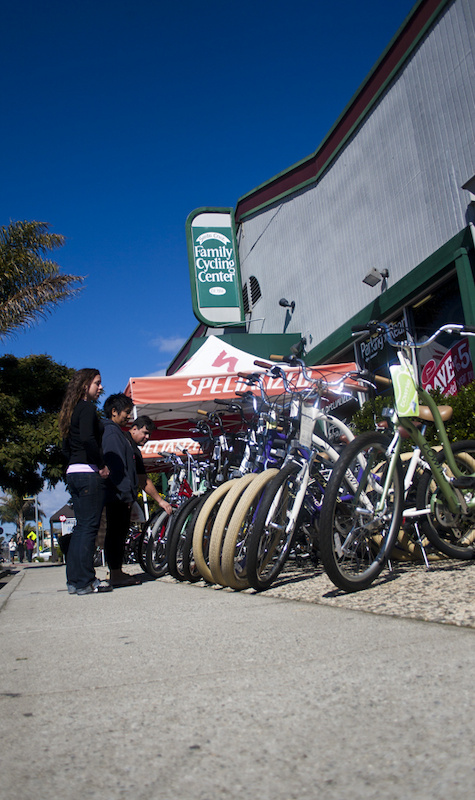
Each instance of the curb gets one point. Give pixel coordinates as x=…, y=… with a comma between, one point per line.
x=10, y=588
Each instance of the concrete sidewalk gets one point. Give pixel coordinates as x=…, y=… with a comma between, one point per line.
x=173, y=691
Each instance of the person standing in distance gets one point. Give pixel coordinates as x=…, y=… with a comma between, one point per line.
x=81, y=429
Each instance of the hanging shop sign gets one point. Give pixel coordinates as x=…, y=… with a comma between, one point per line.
x=214, y=266
x=374, y=352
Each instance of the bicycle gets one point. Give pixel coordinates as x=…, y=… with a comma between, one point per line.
x=152, y=546
x=261, y=534
x=364, y=500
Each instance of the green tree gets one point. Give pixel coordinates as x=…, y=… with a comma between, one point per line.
x=31, y=393
x=16, y=510
x=461, y=425
x=31, y=284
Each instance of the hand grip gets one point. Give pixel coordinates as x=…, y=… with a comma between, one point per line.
x=382, y=380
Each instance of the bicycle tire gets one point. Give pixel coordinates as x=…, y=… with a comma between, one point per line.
x=220, y=525
x=355, y=539
x=176, y=538
x=234, y=554
x=270, y=541
x=190, y=570
x=203, y=527
x=146, y=533
x=452, y=536
x=156, y=555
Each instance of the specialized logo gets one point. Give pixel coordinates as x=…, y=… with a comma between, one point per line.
x=223, y=360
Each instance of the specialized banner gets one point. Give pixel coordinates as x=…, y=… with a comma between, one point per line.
x=171, y=400
x=214, y=266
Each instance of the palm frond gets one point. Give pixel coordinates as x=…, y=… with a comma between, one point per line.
x=31, y=285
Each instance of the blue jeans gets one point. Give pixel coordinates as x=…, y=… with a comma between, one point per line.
x=87, y=494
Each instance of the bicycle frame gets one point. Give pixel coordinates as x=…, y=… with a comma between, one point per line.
x=421, y=442
x=405, y=350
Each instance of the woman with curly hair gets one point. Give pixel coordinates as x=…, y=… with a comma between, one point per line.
x=81, y=429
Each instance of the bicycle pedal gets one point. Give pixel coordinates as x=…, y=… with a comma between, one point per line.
x=467, y=482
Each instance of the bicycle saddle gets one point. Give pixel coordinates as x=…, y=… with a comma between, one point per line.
x=426, y=414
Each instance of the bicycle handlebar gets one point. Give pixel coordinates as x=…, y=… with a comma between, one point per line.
x=374, y=327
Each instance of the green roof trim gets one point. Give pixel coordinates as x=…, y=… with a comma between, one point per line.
x=261, y=345
x=311, y=168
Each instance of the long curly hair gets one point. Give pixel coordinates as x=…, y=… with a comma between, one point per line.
x=75, y=391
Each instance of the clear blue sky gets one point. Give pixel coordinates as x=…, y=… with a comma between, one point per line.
x=119, y=118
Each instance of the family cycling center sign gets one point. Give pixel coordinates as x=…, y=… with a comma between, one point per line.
x=214, y=266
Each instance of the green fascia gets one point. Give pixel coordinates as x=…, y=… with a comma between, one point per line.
x=314, y=179
x=261, y=345
x=454, y=253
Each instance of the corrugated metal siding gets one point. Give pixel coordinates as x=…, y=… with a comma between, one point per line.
x=389, y=200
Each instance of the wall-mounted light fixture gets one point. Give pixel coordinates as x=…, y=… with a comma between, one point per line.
x=374, y=276
x=285, y=304
x=298, y=349
x=469, y=186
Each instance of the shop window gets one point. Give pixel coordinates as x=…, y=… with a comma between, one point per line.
x=446, y=363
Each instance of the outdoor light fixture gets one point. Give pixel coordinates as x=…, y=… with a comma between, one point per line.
x=469, y=186
x=373, y=277
x=285, y=304
x=298, y=349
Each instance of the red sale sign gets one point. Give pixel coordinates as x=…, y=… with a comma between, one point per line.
x=452, y=372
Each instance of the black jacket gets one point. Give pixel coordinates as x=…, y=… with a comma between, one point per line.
x=83, y=443
x=122, y=483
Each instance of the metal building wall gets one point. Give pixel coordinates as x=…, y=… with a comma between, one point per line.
x=389, y=200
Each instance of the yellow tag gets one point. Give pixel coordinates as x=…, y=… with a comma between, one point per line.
x=405, y=390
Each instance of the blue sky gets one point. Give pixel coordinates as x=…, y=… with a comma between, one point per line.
x=120, y=118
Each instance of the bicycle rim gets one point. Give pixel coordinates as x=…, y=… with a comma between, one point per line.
x=273, y=531
x=451, y=534
x=156, y=555
x=357, y=528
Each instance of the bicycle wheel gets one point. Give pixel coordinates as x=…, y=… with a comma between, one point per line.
x=453, y=535
x=358, y=527
x=146, y=533
x=203, y=527
x=234, y=554
x=190, y=570
x=156, y=553
x=275, y=525
x=176, y=537
x=220, y=525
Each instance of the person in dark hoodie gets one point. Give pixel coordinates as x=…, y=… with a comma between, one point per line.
x=121, y=486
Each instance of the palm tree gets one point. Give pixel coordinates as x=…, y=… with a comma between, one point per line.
x=17, y=510
x=30, y=283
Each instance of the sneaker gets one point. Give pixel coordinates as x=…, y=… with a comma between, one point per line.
x=95, y=587
x=71, y=588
